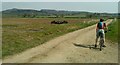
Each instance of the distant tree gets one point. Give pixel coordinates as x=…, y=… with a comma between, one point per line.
x=89, y=15
x=62, y=15
x=24, y=15
x=57, y=16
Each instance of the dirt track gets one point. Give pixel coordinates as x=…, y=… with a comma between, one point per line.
x=70, y=48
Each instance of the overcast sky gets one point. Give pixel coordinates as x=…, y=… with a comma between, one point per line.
x=109, y=7
x=60, y=0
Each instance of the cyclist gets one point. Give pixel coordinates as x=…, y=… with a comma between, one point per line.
x=101, y=28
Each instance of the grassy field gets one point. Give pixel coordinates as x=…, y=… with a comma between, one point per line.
x=113, y=34
x=23, y=33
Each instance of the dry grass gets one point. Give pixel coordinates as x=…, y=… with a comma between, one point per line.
x=22, y=33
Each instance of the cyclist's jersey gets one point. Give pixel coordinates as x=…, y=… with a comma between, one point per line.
x=101, y=25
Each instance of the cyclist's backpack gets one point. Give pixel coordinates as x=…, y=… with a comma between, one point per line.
x=101, y=25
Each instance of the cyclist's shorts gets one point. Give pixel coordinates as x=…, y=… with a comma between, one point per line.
x=100, y=31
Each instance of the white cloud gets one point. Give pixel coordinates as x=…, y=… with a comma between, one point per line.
x=60, y=0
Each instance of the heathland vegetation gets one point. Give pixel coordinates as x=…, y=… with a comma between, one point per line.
x=112, y=35
x=20, y=34
x=24, y=29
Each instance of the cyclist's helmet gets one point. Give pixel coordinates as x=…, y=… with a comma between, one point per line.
x=101, y=20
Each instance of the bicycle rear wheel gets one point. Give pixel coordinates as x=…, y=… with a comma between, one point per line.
x=101, y=43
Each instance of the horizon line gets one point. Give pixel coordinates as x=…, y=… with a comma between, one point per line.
x=57, y=10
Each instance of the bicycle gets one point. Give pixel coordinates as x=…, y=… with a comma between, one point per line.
x=101, y=43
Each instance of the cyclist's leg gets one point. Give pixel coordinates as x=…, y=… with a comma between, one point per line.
x=97, y=36
x=96, y=39
x=103, y=38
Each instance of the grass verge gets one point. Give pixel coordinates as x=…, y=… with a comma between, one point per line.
x=113, y=34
